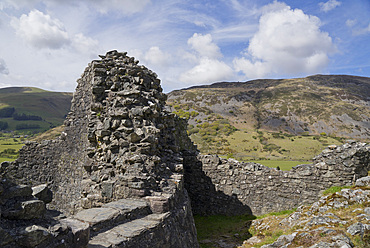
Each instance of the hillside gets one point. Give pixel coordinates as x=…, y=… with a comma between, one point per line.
x=321, y=106
x=31, y=109
x=317, y=109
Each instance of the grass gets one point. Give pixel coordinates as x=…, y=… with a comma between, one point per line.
x=212, y=228
x=6, y=142
x=235, y=229
x=253, y=145
x=335, y=189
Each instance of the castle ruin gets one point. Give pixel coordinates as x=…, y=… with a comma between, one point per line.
x=124, y=172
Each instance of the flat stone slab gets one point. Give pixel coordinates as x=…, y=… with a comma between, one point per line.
x=94, y=216
x=126, y=204
x=113, y=214
x=121, y=233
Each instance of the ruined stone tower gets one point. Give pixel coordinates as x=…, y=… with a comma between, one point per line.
x=120, y=149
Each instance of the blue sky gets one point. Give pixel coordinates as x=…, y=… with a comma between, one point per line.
x=48, y=43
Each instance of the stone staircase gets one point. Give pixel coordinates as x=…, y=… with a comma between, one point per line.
x=122, y=235
x=118, y=223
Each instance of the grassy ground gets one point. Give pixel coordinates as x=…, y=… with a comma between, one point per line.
x=234, y=230
x=9, y=147
x=251, y=145
x=211, y=229
x=229, y=229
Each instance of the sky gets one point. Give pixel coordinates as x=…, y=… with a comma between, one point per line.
x=48, y=43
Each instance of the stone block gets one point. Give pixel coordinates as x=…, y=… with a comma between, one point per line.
x=158, y=204
x=5, y=237
x=33, y=209
x=364, y=181
x=107, y=189
x=18, y=191
x=80, y=231
x=32, y=236
x=97, y=217
x=43, y=193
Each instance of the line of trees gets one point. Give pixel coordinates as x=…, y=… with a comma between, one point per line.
x=24, y=117
x=26, y=126
x=9, y=112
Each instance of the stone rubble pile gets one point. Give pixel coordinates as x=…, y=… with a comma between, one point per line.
x=25, y=221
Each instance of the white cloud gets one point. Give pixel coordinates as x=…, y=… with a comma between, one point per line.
x=207, y=71
x=41, y=31
x=208, y=68
x=157, y=57
x=204, y=46
x=3, y=67
x=86, y=45
x=287, y=42
x=362, y=31
x=350, y=23
x=329, y=5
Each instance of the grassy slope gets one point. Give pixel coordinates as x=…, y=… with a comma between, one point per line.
x=51, y=106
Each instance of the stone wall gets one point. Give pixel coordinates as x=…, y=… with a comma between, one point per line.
x=220, y=186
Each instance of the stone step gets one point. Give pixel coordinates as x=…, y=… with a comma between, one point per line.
x=112, y=214
x=119, y=235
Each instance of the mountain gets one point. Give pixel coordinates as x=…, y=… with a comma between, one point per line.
x=320, y=105
x=32, y=109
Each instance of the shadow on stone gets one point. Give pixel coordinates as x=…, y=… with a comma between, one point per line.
x=205, y=198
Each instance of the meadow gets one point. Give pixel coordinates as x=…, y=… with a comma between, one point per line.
x=9, y=147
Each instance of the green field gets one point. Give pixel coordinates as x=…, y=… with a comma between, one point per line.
x=9, y=147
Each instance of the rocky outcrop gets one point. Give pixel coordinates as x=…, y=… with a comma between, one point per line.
x=220, y=186
x=25, y=221
x=341, y=219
